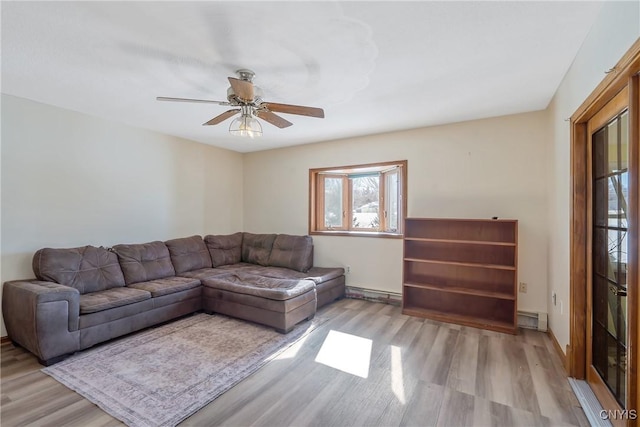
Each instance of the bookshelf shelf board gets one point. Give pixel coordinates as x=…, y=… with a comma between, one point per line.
x=465, y=264
x=441, y=316
x=462, y=242
x=463, y=291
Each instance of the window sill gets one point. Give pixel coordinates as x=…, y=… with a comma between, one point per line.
x=357, y=234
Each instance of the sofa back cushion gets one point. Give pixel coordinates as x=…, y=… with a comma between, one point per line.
x=224, y=249
x=188, y=253
x=294, y=252
x=144, y=261
x=87, y=268
x=256, y=248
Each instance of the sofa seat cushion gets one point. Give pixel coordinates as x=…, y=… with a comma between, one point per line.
x=241, y=266
x=317, y=274
x=323, y=274
x=203, y=273
x=274, y=272
x=111, y=298
x=168, y=285
x=188, y=253
x=260, y=286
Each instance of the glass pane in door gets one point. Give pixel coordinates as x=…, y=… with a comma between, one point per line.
x=609, y=262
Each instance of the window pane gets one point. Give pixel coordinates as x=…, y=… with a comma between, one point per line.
x=392, y=200
x=599, y=154
x=333, y=202
x=612, y=137
x=624, y=199
x=624, y=141
x=366, y=201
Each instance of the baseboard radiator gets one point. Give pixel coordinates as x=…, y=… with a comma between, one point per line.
x=532, y=320
x=392, y=298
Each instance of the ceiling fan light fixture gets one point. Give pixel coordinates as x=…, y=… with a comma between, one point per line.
x=246, y=125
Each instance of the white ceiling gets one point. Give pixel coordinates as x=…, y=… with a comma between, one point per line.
x=373, y=66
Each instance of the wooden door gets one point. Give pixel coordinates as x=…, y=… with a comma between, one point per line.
x=608, y=263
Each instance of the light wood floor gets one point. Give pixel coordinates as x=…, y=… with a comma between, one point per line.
x=420, y=373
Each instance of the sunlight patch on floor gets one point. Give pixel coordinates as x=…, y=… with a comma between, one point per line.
x=347, y=353
x=397, y=376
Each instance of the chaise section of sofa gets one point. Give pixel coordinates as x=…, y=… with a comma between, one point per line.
x=260, y=269
x=218, y=264
x=279, y=303
x=289, y=257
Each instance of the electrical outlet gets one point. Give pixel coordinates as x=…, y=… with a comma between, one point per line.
x=348, y=269
x=523, y=287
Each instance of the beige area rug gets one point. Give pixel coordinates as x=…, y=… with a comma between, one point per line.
x=161, y=376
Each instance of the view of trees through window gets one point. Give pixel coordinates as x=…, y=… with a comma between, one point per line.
x=364, y=198
x=392, y=201
x=366, y=201
x=333, y=202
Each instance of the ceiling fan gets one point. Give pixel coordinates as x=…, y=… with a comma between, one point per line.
x=248, y=98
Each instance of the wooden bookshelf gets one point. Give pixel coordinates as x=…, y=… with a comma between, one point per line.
x=462, y=271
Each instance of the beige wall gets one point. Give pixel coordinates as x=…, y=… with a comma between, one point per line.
x=616, y=28
x=69, y=179
x=478, y=169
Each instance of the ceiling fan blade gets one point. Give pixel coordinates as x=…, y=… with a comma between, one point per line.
x=273, y=119
x=242, y=88
x=222, y=117
x=206, y=101
x=294, y=109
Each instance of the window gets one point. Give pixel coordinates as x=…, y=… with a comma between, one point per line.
x=364, y=200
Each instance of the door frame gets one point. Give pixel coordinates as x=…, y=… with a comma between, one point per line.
x=626, y=73
x=615, y=107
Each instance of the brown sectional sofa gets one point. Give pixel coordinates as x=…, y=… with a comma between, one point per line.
x=87, y=295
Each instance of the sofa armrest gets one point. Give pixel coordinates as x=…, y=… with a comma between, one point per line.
x=42, y=317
